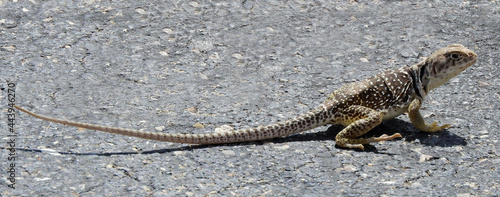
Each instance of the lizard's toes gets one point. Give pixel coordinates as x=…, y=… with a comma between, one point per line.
x=358, y=146
x=386, y=137
x=434, y=127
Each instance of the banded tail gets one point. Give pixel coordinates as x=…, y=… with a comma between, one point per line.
x=299, y=124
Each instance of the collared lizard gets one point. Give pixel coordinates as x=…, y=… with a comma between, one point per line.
x=358, y=106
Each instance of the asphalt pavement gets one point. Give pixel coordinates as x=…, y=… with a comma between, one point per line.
x=194, y=67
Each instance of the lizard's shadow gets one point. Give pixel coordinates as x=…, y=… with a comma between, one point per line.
x=442, y=139
x=410, y=134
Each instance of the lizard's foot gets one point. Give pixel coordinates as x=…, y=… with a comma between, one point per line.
x=434, y=128
x=358, y=143
x=360, y=146
x=384, y=138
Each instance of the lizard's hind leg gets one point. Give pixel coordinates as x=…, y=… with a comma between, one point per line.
x=358, y=121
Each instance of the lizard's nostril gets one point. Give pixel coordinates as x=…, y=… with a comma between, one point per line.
x=472, y=54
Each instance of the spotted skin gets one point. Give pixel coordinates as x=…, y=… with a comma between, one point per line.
x=359, y=106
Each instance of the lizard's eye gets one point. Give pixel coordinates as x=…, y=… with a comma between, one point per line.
x=455, y=55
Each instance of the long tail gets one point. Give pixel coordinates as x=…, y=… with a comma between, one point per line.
x=312, y=119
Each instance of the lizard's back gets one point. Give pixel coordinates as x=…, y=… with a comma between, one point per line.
x=389, y=92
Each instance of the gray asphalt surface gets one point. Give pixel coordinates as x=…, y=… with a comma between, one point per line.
x=164, y=66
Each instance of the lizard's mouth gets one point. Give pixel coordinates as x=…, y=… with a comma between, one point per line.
x=470, y=63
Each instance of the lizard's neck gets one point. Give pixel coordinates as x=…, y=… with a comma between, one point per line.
x=420, y=81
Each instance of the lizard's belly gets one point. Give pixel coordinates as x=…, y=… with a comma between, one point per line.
x=391, y=113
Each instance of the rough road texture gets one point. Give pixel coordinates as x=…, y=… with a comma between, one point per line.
x=153, y=64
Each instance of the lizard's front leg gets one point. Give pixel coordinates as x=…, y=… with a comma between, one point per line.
x=358, y=121
x=418, y=121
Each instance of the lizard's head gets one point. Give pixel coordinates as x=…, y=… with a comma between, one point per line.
x=445, y=64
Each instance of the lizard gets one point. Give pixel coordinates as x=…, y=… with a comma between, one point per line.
x=358, y=106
